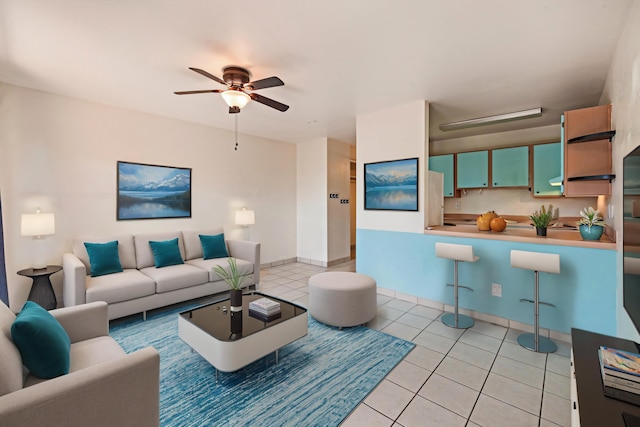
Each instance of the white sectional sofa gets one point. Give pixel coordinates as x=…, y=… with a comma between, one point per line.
x=141, y=286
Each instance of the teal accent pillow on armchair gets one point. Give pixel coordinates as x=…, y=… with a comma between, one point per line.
x=166, y=253
x=103, y=258
x=213, y=246
x=42, y=341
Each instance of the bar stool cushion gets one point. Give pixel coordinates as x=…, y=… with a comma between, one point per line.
x=341, y=298
x=455, y=251
x=537, y=261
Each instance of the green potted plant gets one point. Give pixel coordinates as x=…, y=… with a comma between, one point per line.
x=590, y=225
x=541, y=219
x=234, y=277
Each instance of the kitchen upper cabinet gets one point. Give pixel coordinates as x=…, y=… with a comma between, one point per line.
x=510, y=167
x=546, y=166
x=445, y=165
x=473, y=169
x=587, y=160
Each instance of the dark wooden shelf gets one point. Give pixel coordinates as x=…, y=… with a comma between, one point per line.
x=596, y=409
x=607, y=177
x=593, y=137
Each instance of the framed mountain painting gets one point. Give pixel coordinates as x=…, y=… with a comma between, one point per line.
x=391, y=185
x=152, y=191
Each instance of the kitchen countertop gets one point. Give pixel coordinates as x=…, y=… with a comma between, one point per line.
x=521, y=232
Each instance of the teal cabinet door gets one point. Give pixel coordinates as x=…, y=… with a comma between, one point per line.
x=444, y=164
x=473, y=169
x=510, y=167
x=546, y=165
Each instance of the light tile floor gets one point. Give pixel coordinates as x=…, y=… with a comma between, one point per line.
x=474, y=377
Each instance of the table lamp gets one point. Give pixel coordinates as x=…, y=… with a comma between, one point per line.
x=245, y=217
x=38, y=225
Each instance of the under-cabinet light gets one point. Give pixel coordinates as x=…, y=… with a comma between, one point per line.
x=490, y=120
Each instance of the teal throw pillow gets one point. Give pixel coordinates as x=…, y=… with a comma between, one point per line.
x=166, y=253
x=213, y=246
x=42, y=341
x=103, y=258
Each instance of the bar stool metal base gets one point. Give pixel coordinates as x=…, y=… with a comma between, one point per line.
x=545, y=345
x=464, y=322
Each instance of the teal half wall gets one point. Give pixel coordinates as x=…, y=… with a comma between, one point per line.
x=584, y=292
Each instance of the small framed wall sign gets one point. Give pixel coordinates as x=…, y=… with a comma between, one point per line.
x=153, y=191
x=391, y=185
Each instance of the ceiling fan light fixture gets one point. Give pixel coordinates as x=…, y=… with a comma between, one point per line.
x=235, y=98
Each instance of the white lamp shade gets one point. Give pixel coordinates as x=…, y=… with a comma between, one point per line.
x=235, y=98
x=38, y=224
x=245, y=217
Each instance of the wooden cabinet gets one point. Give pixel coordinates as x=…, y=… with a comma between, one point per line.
x=473, y=169
x=587, y=160
x=446, y=165
x=510, y=167
x=546, y=165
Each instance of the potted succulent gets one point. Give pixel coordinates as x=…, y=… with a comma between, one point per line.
x=234, y=278
x=590, y=225
x=541, y=219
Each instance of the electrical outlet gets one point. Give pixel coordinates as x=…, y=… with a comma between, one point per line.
x=457, y=206
x=496, y=290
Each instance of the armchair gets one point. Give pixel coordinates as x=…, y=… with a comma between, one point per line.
x=104, y=386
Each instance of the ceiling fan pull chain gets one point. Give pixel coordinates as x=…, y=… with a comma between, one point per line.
x=236, y=118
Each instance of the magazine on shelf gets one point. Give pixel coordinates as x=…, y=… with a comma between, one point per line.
x=630, y=389
x=619, y=363
x=613, y=381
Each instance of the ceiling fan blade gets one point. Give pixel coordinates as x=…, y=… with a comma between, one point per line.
x=265, y=83
x=269, y=102
x=189, y=92
x=206, y=74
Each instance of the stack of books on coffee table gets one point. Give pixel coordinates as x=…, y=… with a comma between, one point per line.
x=620, y=374
x=264, y=309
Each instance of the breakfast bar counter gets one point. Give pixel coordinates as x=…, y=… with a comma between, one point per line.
x=523, y=233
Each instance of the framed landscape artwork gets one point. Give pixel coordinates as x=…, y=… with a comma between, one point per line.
x=391, y=185
x=151, y=191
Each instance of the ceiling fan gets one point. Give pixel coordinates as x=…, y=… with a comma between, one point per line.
x=239, y=89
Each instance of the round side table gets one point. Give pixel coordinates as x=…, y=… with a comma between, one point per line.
x=41, y=289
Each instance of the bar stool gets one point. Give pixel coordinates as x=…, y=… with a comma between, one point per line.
x=457, y=253
x=536, y=261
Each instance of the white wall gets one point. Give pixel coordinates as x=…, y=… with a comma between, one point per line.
x=622, y=90
x=396, y=133
x=338, y=227
x=312, y=199
x=323, y=223
x=60, y=154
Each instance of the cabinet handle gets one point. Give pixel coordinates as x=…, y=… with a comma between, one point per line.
x=574, y=405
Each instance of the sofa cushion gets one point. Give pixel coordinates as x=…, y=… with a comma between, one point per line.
x=118, y=287
x=42, y=341
x=213, y=246
x=103, y=258
x=176, y=277
x=208, y=264
x=126, y=250
x=144, y=254
x=166, y=253
x=10, y=361
x=192, y=244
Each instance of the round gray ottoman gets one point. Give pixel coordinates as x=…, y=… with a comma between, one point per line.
x=341, y=298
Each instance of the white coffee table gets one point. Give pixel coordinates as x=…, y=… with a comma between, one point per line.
x=230, y=341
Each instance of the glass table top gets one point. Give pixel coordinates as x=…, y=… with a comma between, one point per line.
x=220, y=322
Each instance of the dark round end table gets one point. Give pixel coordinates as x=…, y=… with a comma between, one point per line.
x=41, y=289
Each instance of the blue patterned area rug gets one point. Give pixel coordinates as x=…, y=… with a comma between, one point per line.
x=317, y=381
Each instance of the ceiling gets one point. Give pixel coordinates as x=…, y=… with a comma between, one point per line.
x=338, y=58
